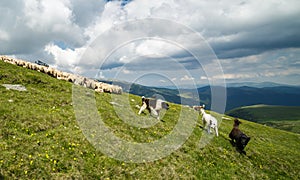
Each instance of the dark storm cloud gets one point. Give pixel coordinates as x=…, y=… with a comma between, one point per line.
x=269, y=31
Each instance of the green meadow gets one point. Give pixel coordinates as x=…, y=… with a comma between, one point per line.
x=50, y=132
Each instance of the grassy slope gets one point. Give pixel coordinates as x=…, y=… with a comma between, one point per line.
x=40, y=138
x=282, y=117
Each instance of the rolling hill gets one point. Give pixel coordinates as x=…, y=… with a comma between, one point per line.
x=42, y=138
x=236, y=96
x=185, y=97
x=279, y=95
x=282, y=117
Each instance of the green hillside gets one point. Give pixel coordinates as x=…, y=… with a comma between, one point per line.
x=40, y=138
x=282, y=117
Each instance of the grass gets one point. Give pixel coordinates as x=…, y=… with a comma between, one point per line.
x=292, y=126
x=41, y=138
x=281, y=117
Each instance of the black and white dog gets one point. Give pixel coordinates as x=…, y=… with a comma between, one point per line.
x=153, y=106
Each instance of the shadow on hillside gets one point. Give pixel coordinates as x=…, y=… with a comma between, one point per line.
x=237, y=149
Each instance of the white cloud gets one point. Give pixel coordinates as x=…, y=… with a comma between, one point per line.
x=236, y=76
x=173, y=79
x=186, y=78
x=125, y=71
x=47, y=14
x=52, y=18
x=65, y=59
x=156, y=48
x=31, y=25
x=271, y=64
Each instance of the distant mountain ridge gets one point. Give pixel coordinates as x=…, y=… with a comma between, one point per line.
x=256, y=84
x=237, y=84
x=236, y=96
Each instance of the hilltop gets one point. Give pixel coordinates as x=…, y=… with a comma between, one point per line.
x=40, y=138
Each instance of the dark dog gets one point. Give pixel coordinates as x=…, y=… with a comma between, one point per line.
x=153, y=106
x=237, y=137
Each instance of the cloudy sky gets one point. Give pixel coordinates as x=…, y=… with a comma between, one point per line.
x=158, y=42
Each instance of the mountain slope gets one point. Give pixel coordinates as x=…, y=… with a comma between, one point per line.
x=171, y=95
x=40, y=138
x=256, y=84
x=245, y=96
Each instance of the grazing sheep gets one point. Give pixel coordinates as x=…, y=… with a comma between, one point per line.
x=71, y=78
x=43, y=69
x=209, y=120
x=79, y=80
x=49, y=71
x=59, y=75
x=98, y=87
x=90, y=84
x=237, y=137
x=21, y=63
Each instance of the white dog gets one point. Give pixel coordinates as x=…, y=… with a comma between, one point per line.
x=209, y=120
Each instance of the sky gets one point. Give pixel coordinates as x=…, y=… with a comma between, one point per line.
x=158, y=42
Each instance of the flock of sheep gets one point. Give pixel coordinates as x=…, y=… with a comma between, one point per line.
x=76, y=79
